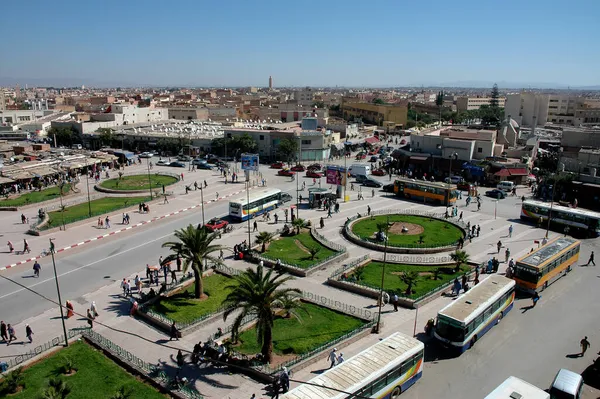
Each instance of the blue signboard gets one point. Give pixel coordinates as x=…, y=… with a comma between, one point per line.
x=249, y=161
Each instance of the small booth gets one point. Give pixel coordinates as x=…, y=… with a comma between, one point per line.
x=315, y=195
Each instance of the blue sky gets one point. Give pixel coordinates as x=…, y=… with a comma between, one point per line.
x=301, y=43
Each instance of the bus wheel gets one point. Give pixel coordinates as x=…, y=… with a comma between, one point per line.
x=500, y=316
x=396, y=392
x=473, y=340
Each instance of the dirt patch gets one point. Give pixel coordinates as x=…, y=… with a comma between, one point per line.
x=279, y=359
x=409, y=229
x=301, y=246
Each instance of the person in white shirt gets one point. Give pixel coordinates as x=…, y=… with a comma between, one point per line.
x=333, y=357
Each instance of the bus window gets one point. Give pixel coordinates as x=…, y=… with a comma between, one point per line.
x=450, y=332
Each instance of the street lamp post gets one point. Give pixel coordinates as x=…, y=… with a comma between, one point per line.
x=345, y=171
x=378, y=326
x=87, y=182
x=149, y=181
x=551, y=206
x=248, y=206
x=62, y=315
x=61, y=186
x=297, y=180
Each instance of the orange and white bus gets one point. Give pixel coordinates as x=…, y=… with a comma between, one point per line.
x=431, y=192
x=540, y=268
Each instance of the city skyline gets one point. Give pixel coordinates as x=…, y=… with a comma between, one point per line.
x=207, y=45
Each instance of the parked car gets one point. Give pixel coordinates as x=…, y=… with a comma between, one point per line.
x=453, y=179
x=298, y=168
x=216, y=224
x=312, y=173
x=372, y=183
x=388, y=188
x=378, y=172
x=177, y=164
x=146, y=155
x=285, y=172
x=464, y=186
x=204, y=166
x=277, y=165
x=184, y=158
x=315, y=166
x=213, y=160
x=199, y=161
x=495, y=193
x=285, y=197
x=162, y=163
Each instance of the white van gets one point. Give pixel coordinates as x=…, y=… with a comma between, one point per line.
x=566, y=385
x=506, y=186
x=359, y=169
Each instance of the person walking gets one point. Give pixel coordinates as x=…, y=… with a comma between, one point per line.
x=107, y=222
x=11, y=334
x=340, y=358
x=478, y=230
x=255, y=225
x=535, y=299
x=333, y=357
x=368, y=210
x=124, y=286
x=510, y=231
x=322, y=222
x=29, y=333
x=90, y=318
x=94, y=309
x=216, y=196
x=461, y=216
x=506, y=255
x=26, y=246
x=591, y=259
x=499, y=245
x=395, y=301
x=3, y=331
x=585, y=344
x=11, y=247
x=36, y=269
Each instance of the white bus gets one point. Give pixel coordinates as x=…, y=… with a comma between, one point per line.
x=383, y=371
x=580, y=221
x=260, y=201
x=460, y=324
x=514, y=387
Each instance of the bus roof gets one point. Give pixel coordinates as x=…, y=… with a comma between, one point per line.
x=465, y=306
x=243, y=200
x=559, y=208
x=427, y=183
x=522, y=389
x=537, y=258
x=359, y=370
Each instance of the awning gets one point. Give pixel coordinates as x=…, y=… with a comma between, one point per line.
x=518, y=172
x=418, y=158
x=5, y=180
x=372, y=140
x=43, y=172
x=502, y=173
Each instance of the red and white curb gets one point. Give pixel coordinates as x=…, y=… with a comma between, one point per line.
x=124, y=229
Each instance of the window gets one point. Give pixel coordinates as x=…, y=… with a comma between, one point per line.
x=306, y=142
x=261, y=137
x=479, y=150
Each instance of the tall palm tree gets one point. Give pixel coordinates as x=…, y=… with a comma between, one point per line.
x=57, y=389
x=194, y=246
x=258, y=293
x=298, y=224
x=460, y=257
x=264, y=238
x=411, y=279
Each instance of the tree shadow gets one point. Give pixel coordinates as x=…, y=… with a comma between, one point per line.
x=121, y=308
x=591, y=375
x=319, y=371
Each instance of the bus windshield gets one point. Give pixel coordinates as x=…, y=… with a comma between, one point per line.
x=450, y=332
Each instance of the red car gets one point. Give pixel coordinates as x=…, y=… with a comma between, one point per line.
x=313, y=174
x=285, y=172
x=298, y=168
x=378, y=172
x=315, y=166
x=277, y=165
x=216, y=224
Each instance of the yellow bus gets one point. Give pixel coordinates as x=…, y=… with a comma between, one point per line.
x=540, y=268
x=431, y=192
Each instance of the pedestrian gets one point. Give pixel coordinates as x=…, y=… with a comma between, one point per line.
x=11, y=334
x=180, y=359
x=166, y=200
x=70, y=309
x=368, y=210
x=124, y=219
x=478, y=230
x=461, y=216
x=395, y=301
x=174, y=332
x=506, y=255
x=205, y=184
x=23, y=218
x=216, y=196
x=510, y=231
x=372, y=193
x=90, y=318
x=29, y=333
x=107, y=222
x=255, y=226
x=94, y=309
x=332, y=357
x=182, y=177
x=26, y=246
x=173, y=277
x=322, y=222
x=499, y=245
x=591, y=259
x=585, y=344
x=456, y=287
x=128, y=288
x=340, y=358
x=11, y=248
x=285, y=212
x=124, y=286
x=536, y=297
x=276, y=218
x=3, y=331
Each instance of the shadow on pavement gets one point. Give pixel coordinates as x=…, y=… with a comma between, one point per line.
x=121, y=307
x=434, y=351
x=591, y=375
x=573, y=355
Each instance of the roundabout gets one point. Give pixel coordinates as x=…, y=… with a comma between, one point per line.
x=137, y=183
x=407, y=233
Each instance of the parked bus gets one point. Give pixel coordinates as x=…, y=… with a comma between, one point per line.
x=540, y=268
x=580, y=221
x=515, y=387
x=259, y=202
x=383, y=371
x=460, y=324
x=432, y=192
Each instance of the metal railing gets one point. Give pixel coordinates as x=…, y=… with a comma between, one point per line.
x=325, y=242
x=38, y=350
x=338, y=306
x=149, y=370
x=296, y=266
x=338, y=272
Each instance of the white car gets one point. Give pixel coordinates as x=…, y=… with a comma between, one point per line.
x=146, y=155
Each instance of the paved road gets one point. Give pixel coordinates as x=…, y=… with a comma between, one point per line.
x=531, y=345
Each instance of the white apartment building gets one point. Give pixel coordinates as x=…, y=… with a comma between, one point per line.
x=471, y=103
x=305, y=97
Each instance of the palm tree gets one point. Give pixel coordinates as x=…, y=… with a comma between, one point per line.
x=314, y=251
x=298, y=224
x=57, y=389
x=256, y=293
x=194, y=247
x=410, y=278
x=264, y=238
x=460, y=257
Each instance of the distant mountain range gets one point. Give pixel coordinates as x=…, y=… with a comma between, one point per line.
x=75, y=82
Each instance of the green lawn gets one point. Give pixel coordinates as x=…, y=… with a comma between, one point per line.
x=372, y=277
x=288, y=250
x=138, y=182
x=436, y=232
x=318, y=325
x=96, y=376
x=36, y=196
x=99, y=207
x=183, y=307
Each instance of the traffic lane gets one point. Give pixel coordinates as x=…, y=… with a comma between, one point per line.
x=530, y=344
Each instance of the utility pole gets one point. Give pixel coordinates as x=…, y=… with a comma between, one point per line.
x=378, y=326
x=62, y=314
x=149, y=181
